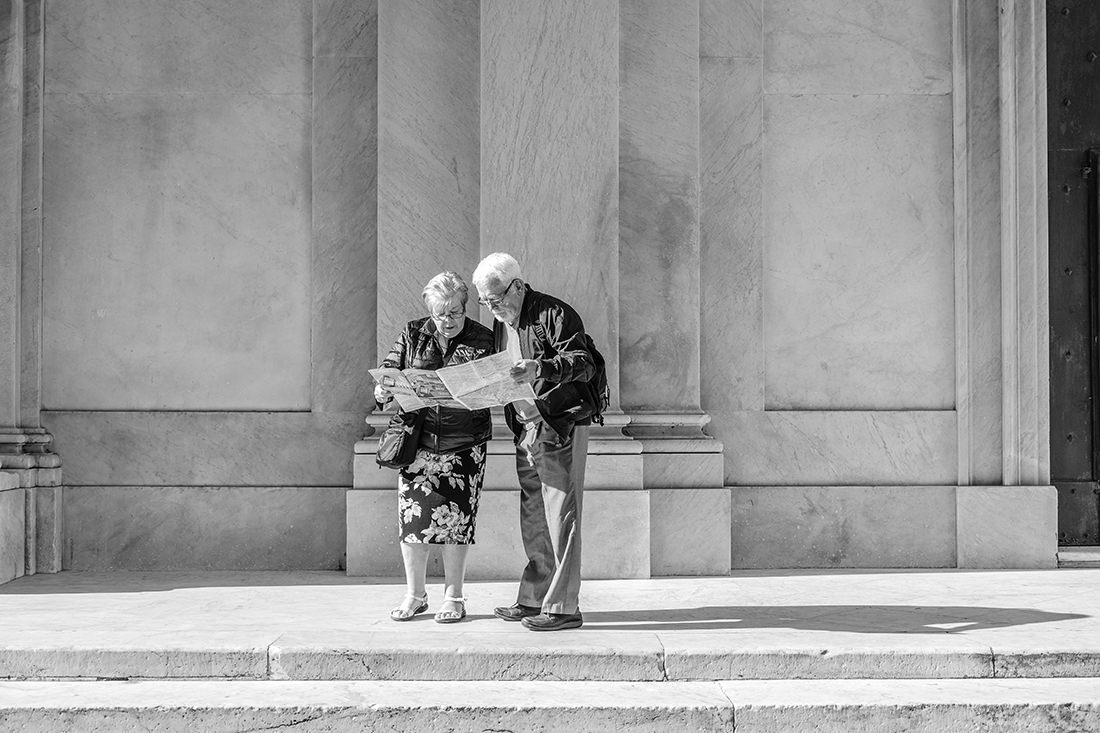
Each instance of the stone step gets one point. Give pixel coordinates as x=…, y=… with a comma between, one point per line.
x=1079, y=557
x=824, y=706
x=581, y=655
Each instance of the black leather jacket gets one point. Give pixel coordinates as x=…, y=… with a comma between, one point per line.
x=446, y=430
x=552, y=333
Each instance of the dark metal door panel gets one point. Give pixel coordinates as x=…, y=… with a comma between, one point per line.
x=1073, y=117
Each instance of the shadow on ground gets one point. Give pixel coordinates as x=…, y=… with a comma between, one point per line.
x=857, y=619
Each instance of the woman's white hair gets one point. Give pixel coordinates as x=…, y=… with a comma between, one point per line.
x=445, y=285
x=499, y=266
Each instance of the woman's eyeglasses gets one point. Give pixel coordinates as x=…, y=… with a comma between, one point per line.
x=451, y=315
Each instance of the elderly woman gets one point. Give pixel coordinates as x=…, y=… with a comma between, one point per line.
x=438, y=493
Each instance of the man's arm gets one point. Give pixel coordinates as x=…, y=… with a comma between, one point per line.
x=565, y=335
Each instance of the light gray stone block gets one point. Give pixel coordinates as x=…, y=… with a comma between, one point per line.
x=659, y=205
x=778, y=656
x=843, y=526
x=12, y=534
x=858, y=252
x=178, y=46
x=344, y=255
x=836, y=47
x=846, y=448
x=345, y=28
x=1007, y=526
x=689, y=531
x=212, y=528
x=205, y=448
x=428, y=153
x=467, y=655
x=549, y=160
x=731, y=239
x=730, y=28
x=389, y=707
x=49, y=534
x=181, y=302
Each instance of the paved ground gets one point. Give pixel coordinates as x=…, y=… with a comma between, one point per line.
x=754, y=625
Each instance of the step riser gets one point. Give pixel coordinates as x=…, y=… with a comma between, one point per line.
x=535, y=663
x=1061, y=718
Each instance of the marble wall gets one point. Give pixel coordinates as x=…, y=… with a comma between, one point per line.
x=210, y=274
x=11, y=130
x=549, y=141
x=177, y=191
x=828, y=239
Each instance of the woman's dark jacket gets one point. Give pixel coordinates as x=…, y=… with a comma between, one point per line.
x=446, y=429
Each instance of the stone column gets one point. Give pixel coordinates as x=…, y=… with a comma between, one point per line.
x=1016, y=524
x=660, y=288
x=31, y=474
x=428, y=198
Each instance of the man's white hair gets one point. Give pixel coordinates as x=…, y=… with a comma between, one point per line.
x=499, y=266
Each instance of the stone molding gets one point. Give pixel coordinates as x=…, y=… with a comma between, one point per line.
x=1024, y=304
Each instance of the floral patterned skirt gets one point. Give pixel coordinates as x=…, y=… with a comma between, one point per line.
x=438, y=495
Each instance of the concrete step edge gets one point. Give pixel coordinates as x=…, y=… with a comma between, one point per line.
x=580, y=659
x=1065, y=704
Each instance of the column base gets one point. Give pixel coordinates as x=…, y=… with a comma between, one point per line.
x=31, y=479
x=650, y=499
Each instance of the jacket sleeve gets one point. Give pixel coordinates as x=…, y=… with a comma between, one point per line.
x=397, y=357
x=565, y=333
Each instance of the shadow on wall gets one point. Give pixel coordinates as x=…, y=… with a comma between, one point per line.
x=851, y=619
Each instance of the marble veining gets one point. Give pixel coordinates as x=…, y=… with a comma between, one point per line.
x=204, y=527
x=731, y=238
x=549, y=142
x=204, y=448
x=659, y=207
x=842, y=447
x=842, y=47
x=858, y=253
x=1007, y=526
x=177, y=259
x=345, y=28
x=428, y=153
x=730, y=28
x=344, y=254
x=844, y=526
x=179, y=46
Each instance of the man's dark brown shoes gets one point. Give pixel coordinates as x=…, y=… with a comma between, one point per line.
x=553, y=621
x=516, y=612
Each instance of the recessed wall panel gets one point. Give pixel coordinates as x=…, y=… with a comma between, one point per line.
x=177, y=252
x=858, y=252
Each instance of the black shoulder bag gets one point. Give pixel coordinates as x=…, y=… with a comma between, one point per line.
x=398, y=442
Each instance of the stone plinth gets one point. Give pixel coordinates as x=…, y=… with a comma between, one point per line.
x=12, y=527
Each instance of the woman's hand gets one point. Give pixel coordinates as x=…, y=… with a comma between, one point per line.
x=382, y=395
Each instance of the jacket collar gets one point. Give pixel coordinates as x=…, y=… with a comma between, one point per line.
x=527, y=312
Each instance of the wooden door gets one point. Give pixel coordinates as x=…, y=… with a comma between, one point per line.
x=1073, y=113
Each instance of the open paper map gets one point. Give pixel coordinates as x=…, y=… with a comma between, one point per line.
x=474, y=385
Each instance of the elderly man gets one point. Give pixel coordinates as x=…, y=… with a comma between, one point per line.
x=546, y=338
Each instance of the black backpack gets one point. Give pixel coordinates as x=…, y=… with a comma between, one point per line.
x=599, y=393
x=597, y=385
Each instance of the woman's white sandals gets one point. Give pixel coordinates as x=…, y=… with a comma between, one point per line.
x=406, y=611
x=451, y=616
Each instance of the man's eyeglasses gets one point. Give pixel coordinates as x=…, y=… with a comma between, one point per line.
x=494, y=301
x=451, y=315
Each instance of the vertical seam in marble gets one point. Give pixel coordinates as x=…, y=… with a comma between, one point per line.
x=962, y=246
x=1010, y=428
x=38, y=242
x=17, y=33
x=312, y=204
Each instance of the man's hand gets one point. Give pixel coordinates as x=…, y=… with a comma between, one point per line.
x=381, y=394
x=525, y=371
